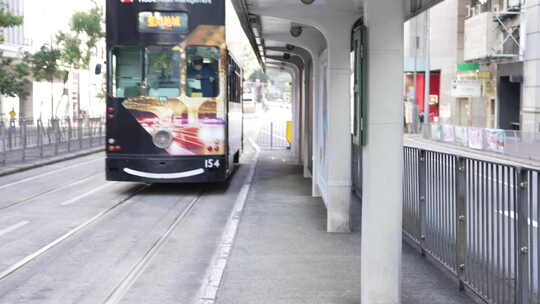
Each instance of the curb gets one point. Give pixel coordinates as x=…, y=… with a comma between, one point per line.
x=50, y=161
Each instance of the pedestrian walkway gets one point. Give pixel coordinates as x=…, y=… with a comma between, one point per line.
x=283, y=254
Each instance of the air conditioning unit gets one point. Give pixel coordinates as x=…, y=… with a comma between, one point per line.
x=512, y=4
x=480, y=37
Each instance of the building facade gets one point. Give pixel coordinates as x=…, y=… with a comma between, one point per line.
x=80, y=95
x=482, y=52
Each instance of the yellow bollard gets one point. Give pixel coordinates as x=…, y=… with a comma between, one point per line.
x=289, y=131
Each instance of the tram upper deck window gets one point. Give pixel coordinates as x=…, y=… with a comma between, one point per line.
x=202, y=71
x=127, y=76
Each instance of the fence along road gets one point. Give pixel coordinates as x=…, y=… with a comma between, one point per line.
x=477, y=218
x=28, y=140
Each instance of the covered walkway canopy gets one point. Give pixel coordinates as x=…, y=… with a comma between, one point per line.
x=346, y=57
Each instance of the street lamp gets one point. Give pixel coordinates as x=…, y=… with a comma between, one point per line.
x=307, y=2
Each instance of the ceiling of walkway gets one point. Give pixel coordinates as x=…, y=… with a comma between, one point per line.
x=264, y=18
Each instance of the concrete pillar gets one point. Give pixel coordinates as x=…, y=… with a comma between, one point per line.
x=338, y=134
x=383, y=156
x=530, y=109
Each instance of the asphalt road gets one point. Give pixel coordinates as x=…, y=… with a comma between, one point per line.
x=68, y=236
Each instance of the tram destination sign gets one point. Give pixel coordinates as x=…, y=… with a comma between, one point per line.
x=163, y=22
x=170, y=1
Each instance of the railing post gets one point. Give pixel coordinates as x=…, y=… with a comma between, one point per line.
x=24, y=135
x=271, y=135
x=56, y=129
x=522, y=254
x=70, y=134
x=40, y=137
x=422, y=196
x=461, y=219
x=81, y=124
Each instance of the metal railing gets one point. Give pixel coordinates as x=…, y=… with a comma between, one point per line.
x=26, y=140
x=273, y=135
x=478, y=219
x=514, y=143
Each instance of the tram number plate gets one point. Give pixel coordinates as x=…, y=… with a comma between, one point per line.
x=212, y=164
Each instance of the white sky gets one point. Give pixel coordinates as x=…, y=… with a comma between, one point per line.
x=43, y=19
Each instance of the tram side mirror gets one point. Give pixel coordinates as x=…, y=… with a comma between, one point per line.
x=98, y=69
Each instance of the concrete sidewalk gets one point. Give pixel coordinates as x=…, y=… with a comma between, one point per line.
x=283, y=255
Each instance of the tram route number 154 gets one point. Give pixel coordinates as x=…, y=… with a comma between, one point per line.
x=212, y=164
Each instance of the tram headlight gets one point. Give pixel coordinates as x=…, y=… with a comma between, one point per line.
x=163, y=139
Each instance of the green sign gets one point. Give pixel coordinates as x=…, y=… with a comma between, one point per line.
x=468, y=67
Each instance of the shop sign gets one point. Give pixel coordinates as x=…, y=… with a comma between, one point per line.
x=466, y=88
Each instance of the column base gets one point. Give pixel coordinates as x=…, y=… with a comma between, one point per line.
x=338, y=208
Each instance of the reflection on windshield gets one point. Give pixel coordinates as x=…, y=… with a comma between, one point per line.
x=163, y=72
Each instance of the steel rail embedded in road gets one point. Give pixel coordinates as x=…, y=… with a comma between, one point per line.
x=53, y=190
x=48, y=173
x=69, y=234
x=120, y=291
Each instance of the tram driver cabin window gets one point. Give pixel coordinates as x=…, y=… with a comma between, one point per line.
x=126, y=72
x=151, y=71
x=202, y=71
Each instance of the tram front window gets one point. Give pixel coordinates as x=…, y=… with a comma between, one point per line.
x=163, y=72
x=203, y=71
x=161, y=77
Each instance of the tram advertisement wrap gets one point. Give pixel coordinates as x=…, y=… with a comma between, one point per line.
x=182, y=102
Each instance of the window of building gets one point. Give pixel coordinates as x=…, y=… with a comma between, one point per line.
x=202, y=71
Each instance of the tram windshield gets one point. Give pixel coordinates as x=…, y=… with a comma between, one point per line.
x=152, y=71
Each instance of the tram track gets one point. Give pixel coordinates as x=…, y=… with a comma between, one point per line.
x=138, y=268
x=48, y=191
x=86, y=224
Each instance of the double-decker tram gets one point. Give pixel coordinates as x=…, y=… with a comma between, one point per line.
x=174, y=112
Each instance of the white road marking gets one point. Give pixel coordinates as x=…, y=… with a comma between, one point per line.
x=214, y=275
x=47, y=174
x=13, y=228
x=95, y=190
x=72, y=232
x=513, y=215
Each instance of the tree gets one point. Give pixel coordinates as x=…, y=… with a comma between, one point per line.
x=86, y=29
x=79, y=43
x=14, y=75
x=45, y=66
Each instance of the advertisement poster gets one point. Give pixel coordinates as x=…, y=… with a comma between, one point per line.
x=495, y=140
x=476, y=138
x=448, y=133
x=462, y=137
x=436, y=132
